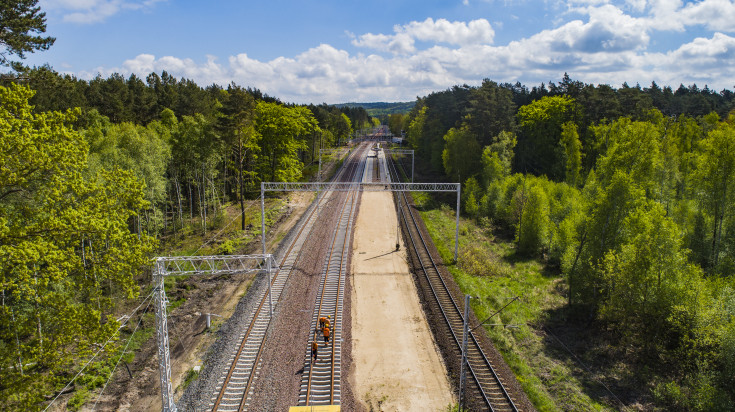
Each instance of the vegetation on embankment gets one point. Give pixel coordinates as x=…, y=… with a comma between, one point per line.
x=626, y=200
x=490, y=271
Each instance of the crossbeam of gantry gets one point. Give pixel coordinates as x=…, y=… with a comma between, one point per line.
x=211, y=265
x=365, y=187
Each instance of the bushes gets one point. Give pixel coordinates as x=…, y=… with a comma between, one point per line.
x=533, y=225
x=543, y=216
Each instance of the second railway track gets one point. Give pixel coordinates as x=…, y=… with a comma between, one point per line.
x=321, y=382
x=486, y=389
x=235, y=386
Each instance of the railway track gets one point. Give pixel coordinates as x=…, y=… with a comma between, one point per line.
x=234, y=388
x=321, y=381
x=485, y=388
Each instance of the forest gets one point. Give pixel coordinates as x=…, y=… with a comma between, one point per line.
x=627, y=193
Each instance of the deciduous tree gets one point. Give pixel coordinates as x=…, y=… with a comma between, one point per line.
x=65, y=249
x=461, y=156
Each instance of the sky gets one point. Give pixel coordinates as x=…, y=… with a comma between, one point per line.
x=394, y=50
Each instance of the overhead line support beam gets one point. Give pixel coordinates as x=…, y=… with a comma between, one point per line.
x=194, y=265
x=365, y=187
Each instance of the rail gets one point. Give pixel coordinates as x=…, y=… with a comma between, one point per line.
x=454, y=321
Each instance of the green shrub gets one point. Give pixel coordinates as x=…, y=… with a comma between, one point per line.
x=80, y=396
x=228, y=247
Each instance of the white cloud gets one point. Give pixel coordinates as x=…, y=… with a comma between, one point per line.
x=441, y=31
x=677, y=15
x=608, y=29
x=703, y=56
x=589, y=2
x=606, y=46
x=93, y=11
x=637, y=5
x=400, y=43
x=714, y=14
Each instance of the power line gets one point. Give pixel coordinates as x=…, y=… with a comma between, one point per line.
x=130, y=339
x=586, y=367
x=98, y=352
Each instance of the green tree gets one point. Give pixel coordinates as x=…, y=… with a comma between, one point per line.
x=396, y=123
x=340, y=125
x=472, y=192
x=138, y=149
x=238, y=127
x=497, y=158
x=634, y=103
x=715, y=177
x=53, y=91
x=572, y=153
x=196, y=149
x=541, y=127
x=533, y=226
x=21, y=23
x=65, y=249
x=415, y=129
x=491, y=111
x=282, y=131
x=647, y=276
x=492, y=167
x=461, y=156
x=609, y=206
x=631, y=147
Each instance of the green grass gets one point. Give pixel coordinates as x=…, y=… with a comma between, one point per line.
x=489, y=269
x=191, y=375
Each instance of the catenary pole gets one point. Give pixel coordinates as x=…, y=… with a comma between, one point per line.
x=262, y=223
x=164, y=367
x=462, y=367
x=456, y=229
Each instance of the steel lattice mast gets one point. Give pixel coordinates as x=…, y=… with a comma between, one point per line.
x=194, y=265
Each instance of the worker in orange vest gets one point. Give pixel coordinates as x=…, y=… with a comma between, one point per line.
x=326, y=323
x=322, y=321
x=314, y=348
x=325, y=331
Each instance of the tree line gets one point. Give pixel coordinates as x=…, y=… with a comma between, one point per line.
x=629, y=192
x=195, y=148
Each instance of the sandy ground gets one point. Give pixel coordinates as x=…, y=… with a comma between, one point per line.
x=396, y=364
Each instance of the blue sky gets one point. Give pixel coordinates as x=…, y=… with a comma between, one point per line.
x=379, y=50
